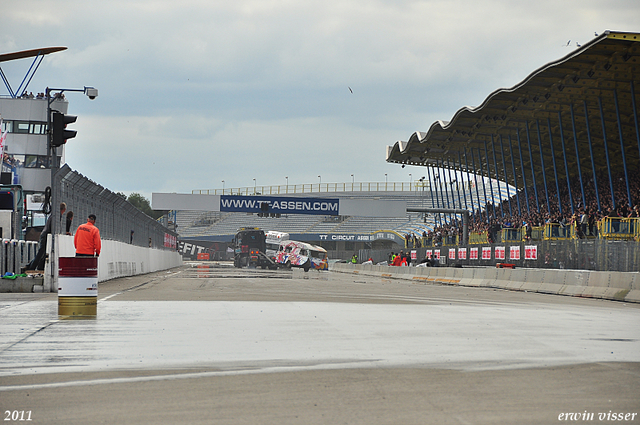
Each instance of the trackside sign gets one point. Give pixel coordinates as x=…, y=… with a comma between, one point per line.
x=279, y=205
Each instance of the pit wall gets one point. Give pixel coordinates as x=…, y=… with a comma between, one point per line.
x=617, y=286
x=117, y=259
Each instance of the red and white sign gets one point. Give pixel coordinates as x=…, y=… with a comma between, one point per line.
x=170, y=241
x=436, y=253
x=462, y=253
x=486, y=253
x=531, y=252
x=414, y=254
x=429, y=253
x=452, y=253
x=514, y=252
x=473, y=253
x=499, y=253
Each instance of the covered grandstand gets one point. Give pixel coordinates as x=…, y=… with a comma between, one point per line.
x=567, y=137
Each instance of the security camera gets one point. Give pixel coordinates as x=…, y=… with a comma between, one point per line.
x=91, y=92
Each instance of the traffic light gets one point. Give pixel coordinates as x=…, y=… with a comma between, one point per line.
x=60, y=133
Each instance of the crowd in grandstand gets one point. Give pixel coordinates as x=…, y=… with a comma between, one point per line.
x=513, y=212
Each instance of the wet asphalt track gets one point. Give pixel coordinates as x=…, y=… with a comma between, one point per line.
x=212, y=344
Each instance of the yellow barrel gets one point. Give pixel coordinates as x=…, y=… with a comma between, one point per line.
x=78, y=307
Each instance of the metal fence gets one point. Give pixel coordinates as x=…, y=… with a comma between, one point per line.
x=117, y=219
x=578, y=254
x=14, y=254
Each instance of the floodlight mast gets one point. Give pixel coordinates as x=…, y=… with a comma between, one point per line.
x=91, y=93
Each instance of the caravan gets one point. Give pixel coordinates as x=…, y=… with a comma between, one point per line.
x=301, y=254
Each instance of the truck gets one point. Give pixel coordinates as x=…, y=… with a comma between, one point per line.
x=249, y=247
x=273, y=241
x=301, y=254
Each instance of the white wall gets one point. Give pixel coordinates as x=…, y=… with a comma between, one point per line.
x=118, y=259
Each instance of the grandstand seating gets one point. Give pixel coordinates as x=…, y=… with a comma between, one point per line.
x=193, y=224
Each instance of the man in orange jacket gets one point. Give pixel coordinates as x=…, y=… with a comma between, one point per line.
x=87, y=239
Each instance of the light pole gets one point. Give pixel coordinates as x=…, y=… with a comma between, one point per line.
x=254, y=187
x=422, y=182
x=91, y=93
x=223, y=187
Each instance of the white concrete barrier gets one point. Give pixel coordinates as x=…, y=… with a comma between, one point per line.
x=117, y=259
x=579, y=283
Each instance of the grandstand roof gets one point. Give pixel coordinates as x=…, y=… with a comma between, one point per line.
x=599, y=75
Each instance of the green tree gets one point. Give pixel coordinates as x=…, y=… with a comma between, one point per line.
x=143, y=204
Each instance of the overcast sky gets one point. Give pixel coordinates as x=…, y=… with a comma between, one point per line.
x=194, y=92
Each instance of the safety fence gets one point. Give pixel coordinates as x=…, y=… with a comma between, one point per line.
x=117, y=219
x=609, y=228
x=577, y=254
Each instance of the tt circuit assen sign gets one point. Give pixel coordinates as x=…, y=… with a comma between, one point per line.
x=279, y=205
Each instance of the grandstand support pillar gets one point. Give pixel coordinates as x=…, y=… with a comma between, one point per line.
x=433, y=179
x=566, y=167
x=515, y=177
x=593, y=164
x=624, y=160
x=484, y=189
x=466, y=207
x=533, y=173
x=575, y=140
x=635, y=115
x=486, y=155
x=506, y=179
x=495, y=167
x=544, y=173
x=440, y=178
x=466, y=164
x=453, y=198
x=464, y=213
x=443, y=184
x=475, y=180
x=555, y=168
x=606, y=151
x=430, y=186
x=524, y=178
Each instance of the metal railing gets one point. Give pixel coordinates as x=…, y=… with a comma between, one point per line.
x=416, y=186
x=478, y=237
x=117, y=219
x=615, y=228
x=555, y=232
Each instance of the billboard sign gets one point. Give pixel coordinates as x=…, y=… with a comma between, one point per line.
x=279, y=205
